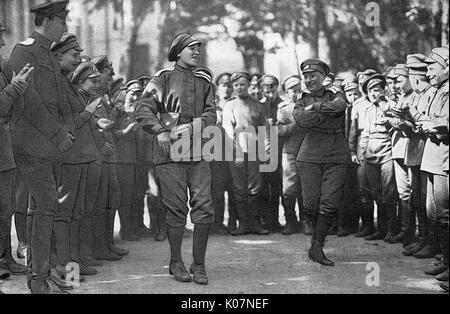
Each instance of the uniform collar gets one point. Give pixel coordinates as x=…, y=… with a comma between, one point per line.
x=321, y=92
x=443, y=85
x=182, y=69
x=41, y=40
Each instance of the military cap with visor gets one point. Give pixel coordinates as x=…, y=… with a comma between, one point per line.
x=179, y=44
x=350, y=86
x=290, y=82
x=416, y=64
x=102, y=62
x=84, y=71
x=315, y=65
x=224, y=78
x=240, y=74
x=401, y=70
x=362, y=76
x=439, y=55
x=134, y=86
x=51, y=8
x=269, y=79
x=67, y=42
x=374, y=80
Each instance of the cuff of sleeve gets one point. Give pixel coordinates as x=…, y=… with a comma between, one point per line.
x=59, y=137
x=12, y=91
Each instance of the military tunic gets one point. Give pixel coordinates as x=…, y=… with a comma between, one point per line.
x=435, y=159
x=190, y=95
x=273, y=181
x=324, y=155
x=291, y=135
x=358, y=147
x=246, y=115
x=8, y=95
x=42, y=119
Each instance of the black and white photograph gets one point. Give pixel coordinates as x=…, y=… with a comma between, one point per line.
x=224, y=152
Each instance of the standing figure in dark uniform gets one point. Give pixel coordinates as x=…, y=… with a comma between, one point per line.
x=291, y=135
x=324, y=156
x=42, y=128
x=87, y=78
x=222, y=181
x=80, y=172
x=179, y=103
x=272, y=181
x=125, y=136
x=9, y=93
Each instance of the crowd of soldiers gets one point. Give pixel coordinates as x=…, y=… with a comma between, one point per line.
x=77, y=146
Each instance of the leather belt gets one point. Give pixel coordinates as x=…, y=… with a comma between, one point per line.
x=328, y=131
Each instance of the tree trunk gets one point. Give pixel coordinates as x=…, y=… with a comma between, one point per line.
x=445, y=12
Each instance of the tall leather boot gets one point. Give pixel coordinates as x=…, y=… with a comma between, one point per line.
x=391, y=213
x=87, y=243
x=101, y=250
x=152, y=211
x=343, y=222
x=75, y=227
x=177, y=268
x=20, y=221
x=137, y=220
x=306, y=224
x=126, y=224
x=292, y=225
x=7, y=261
x=316, y=253
x=161, y=228
x=255, y=203
x=40, y=281
x=432, y=246
x=381, y=232
x=443, y=244
x=110, y=217
x=422, y=235
x=243, y=212
x=232, y=212
x=405, y=235
x=367, y=227
x=200, y=243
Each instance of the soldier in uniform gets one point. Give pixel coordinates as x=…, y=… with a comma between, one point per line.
x=379, y=166
x=80, y=172
x=176, y=104
x=324, y=156
x=273, y=181
x=222, y=181
x=241, y=113
x=292, y=137
x=349, y=212
x=357, y=147
x=400, y=139
x=414, y=153
x=435, y=158
x=42, y=128
x=255, y=89
x=87, y=78
x=9, y=94
x=125, y=138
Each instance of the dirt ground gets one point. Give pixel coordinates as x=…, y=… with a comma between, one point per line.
x=272, y=264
